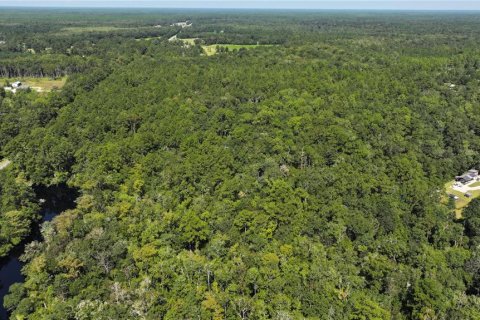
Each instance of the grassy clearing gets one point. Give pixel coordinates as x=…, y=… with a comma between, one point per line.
x=189, y=41
x=462, y=201
x=39, y=84
x=475, y=184
x=212, y=49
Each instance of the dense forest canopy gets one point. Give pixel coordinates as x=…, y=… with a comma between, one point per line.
x=299, y=179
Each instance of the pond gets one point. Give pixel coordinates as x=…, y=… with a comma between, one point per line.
x=57, y=199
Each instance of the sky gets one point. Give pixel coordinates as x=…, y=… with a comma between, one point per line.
x=270, y=4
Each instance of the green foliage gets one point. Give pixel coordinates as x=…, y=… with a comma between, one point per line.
x=472, y=221
x=17, y=210
x=301, y=180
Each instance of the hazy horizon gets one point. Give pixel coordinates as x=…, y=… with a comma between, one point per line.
x=265, y=4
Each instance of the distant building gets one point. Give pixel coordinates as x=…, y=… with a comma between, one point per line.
x=16, y=84
x=467, y=176
x=2, y=42
x=464, y=178
x=473, y=173
x=468, y=195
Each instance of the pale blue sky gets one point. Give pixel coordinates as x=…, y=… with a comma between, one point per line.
x=276, y=4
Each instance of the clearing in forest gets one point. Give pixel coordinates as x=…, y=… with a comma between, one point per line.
x=45, y=84
x=212, y=49
x=463, y=194
x=189, y=41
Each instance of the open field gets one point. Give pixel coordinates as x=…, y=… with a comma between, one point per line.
x=186, y=41
x=462, y=200
x=39, y=84
x=189, y=41
x=211, y=50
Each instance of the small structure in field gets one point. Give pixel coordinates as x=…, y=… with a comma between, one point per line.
x=454, y=197
x=468, y=195
x=14, y=87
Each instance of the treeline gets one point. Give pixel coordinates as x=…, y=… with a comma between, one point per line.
x=44, y=66
x=78, y=42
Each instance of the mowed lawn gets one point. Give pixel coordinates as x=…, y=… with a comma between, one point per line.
x=38, y=84
x=462, y=201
